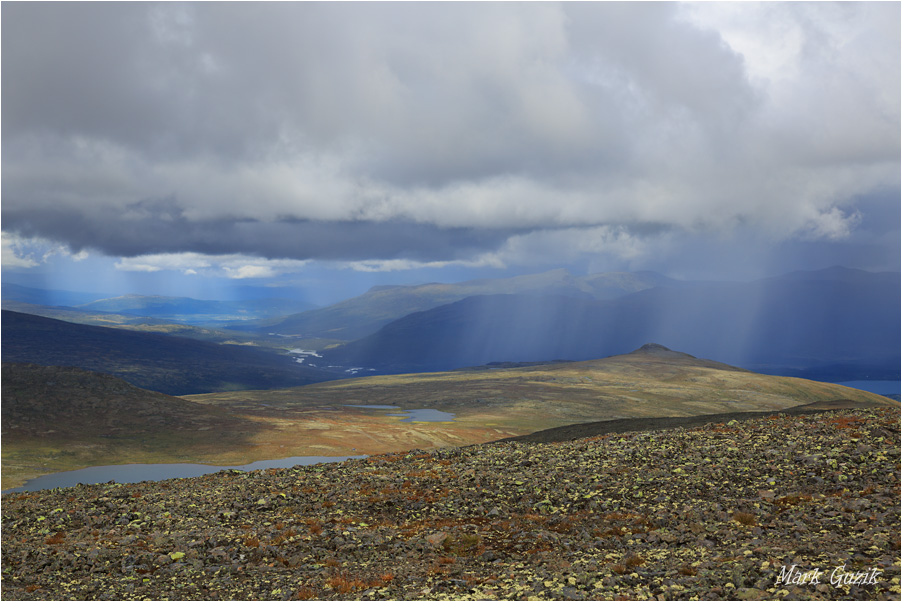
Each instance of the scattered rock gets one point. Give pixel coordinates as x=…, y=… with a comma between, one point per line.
x=714, y=512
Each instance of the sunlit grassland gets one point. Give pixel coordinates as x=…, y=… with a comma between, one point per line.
x=491, y=404
x=557, y=394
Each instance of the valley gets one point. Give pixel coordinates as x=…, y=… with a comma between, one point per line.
x=86, y=386
x=320, y=419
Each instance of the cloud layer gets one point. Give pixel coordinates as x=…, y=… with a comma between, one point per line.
x=444, y=132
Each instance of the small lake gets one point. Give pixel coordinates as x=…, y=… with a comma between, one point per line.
x=421, y=415
x=135, y=473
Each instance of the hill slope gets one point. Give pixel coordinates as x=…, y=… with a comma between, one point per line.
x=651, y=382
x=65, y=402
x=847, y=326
x=62, y=418
x=168, y=364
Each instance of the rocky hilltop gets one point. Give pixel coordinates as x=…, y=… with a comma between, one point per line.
x=728, y=510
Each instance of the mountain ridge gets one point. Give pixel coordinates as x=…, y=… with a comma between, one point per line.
x=362, y=315
x=770, y=324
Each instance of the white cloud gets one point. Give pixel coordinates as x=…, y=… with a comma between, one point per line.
x=572, y=245
x=29, y=252
x=234, y=266
x=832, y=224
x=13, y=255
x=183, y=262
x=400, y=265
x=249, y=271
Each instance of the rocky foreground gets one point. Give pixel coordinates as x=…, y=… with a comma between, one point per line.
x=785, y=507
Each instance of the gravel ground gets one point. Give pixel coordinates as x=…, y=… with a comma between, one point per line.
x=719, y=511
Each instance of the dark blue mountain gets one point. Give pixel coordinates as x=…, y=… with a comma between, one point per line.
x=845, y=322
x=366, y=314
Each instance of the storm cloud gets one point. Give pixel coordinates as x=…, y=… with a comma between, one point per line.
x=445, y=131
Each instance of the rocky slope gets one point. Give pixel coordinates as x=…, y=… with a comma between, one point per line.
x=713, y=512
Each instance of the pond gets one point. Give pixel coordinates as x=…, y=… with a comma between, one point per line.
x=135, y=473
x=420, y=415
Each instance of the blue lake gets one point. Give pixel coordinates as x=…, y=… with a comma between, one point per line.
x=421, y=415
x=135, y=473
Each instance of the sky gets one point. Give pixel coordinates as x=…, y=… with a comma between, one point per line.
x=199, y=149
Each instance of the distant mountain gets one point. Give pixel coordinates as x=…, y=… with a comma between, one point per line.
x=38, y=296
x=169, y=364
x=78, y=316
x=844, y=274
x=131, y=322
x=846, y=321
x=196, y=311
x=254, y=304
x=365, y=314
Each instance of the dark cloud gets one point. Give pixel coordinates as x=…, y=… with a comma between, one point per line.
x=160, y=227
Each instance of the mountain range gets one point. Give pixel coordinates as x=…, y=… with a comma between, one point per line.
x=837, y=322
x=173, y=309
x=834, y=324
x=363, y=315
x=196, y=311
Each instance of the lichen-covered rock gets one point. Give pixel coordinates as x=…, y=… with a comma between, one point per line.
x=723, y=511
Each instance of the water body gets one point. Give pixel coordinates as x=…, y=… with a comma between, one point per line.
x=425, y=415
x=420, y=415
x=880, y=387
x=135, y=473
